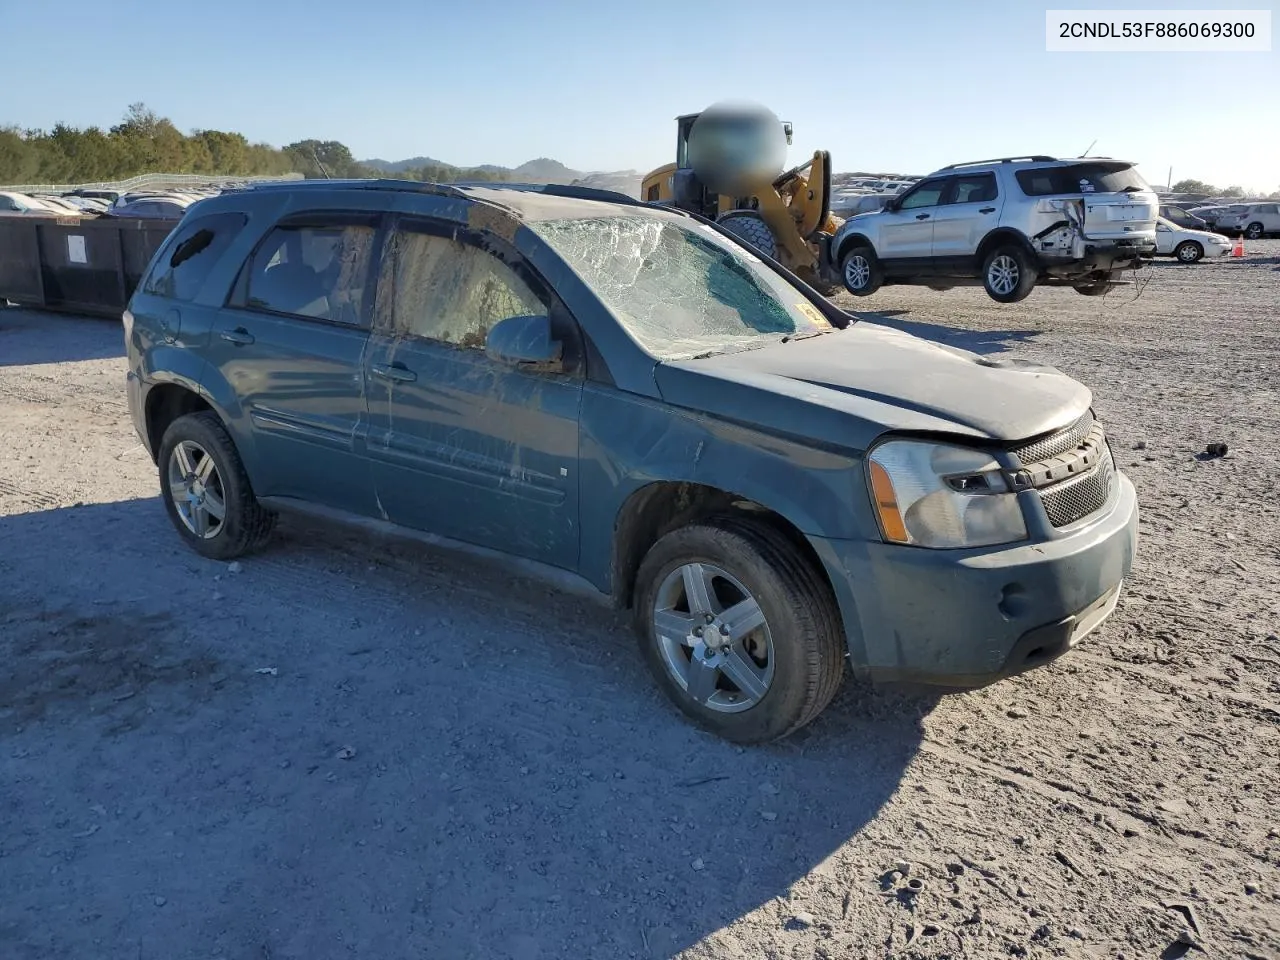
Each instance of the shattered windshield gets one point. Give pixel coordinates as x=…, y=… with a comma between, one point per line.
x=681, y=290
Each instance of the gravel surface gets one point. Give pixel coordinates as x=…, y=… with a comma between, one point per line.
x=346, y=747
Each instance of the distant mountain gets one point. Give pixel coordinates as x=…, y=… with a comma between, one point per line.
x=400, y=166
x=542, y=170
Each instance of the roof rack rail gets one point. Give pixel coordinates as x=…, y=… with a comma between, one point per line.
x=1034, y=158
x=459, y=188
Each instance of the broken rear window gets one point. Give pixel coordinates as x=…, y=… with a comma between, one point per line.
x=1081, y=178
x=681, y=291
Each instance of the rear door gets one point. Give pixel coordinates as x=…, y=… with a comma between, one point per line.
x=462, y=445
x=291, y=344
x=970, y=208
x=906, y=233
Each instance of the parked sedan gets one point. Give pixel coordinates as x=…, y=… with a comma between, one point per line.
x=152, y=209
x=1183, y=217
x=20, y=203
x=1189, y=246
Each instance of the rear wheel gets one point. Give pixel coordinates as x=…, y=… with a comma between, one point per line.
x=1188, y=251
x=738, y=629
x=861, y=272
x=1253, y=231
x=750, y=228
x=206, y=491
x=1008, y=274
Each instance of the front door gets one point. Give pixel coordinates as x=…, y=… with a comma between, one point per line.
x=291, y=344
x=462, y=445
x=907, y=231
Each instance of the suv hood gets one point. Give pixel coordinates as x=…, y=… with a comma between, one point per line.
x=846, y=388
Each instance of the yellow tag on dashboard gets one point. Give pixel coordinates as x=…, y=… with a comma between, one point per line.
x=812, y=314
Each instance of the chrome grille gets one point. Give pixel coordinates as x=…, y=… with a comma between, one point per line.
x=1075, y=499
x=1055, y=445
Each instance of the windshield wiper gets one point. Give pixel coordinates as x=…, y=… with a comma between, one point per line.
x=805, y=335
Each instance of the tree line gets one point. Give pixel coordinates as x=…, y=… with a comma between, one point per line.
x=1208, y=189
x=146, y=143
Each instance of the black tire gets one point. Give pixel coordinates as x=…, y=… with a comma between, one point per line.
x=748, y=227
x=1254, y=231
x=860, y=271
x=1008, y=273
x=1188, y=251
x=807, y=653
x=246, y=525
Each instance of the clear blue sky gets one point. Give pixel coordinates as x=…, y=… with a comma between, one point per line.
x=905, y=86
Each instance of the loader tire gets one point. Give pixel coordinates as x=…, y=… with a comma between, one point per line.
x=748, y=227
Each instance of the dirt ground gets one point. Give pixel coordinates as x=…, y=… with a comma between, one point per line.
x=352, y=748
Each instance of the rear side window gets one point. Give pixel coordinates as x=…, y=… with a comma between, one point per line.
x=318, y=271
x=974, y=188
x=196, y=248
x=1080, y=178
x=446, y=290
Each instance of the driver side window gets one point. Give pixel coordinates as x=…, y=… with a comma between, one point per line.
x=926, y=195
x=444, y=289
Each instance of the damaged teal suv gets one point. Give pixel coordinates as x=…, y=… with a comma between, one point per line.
x=623, y=393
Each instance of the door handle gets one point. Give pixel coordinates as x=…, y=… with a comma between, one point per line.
x=922, y=216
x=394, y=371
x=239, y=336
x=987, y=210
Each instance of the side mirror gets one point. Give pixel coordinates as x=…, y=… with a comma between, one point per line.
x=525, y=341
x=893, y=203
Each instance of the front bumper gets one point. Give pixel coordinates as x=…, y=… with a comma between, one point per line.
x=967, y=618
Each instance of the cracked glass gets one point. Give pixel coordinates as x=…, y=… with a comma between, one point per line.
x=681, y=291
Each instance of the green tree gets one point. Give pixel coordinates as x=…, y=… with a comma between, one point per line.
x=320, y=158
x=1193, y=186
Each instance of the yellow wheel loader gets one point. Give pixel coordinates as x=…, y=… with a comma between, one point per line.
x=784, y=215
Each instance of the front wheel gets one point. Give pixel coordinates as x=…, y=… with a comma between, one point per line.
x=1188, y=251
x=861, y=272
x=1008, y=274
x=1253, y=231
x=206, y=491
x=738, y=629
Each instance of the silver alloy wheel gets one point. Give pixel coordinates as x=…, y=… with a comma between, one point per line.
x=713, y=638
x=857, y=272
x=1002, y=275
x=1254, y=231
x=196, y=489
x=1188, y=253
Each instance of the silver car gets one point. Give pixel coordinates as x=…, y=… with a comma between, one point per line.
x=1007, y=224
x=1254, y=220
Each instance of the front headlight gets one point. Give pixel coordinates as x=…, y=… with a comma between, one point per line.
x=942, y=496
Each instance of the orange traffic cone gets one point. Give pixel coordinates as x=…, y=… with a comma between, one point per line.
x=1238, y=249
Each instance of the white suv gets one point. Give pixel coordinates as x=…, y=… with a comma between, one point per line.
x=1008, y=224
x=1253, y=220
